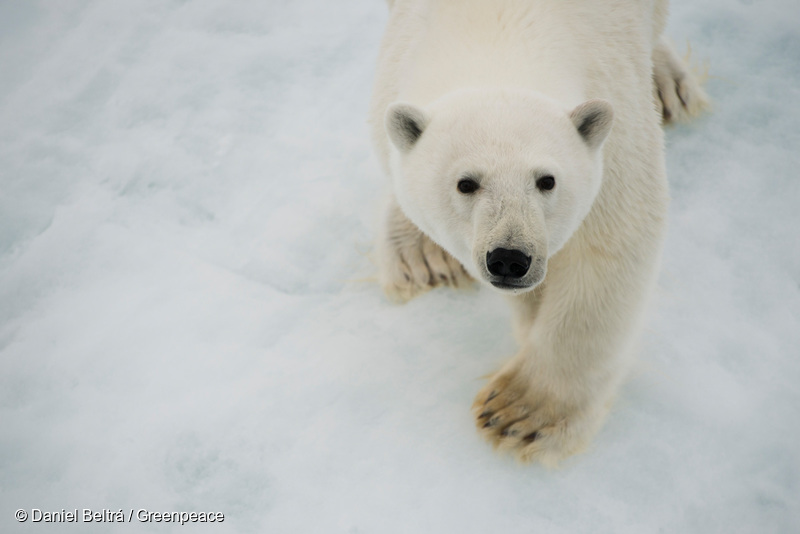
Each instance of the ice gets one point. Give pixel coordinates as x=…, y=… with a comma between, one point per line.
x=187, y=319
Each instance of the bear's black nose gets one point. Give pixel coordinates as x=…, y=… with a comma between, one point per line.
x=508, y=263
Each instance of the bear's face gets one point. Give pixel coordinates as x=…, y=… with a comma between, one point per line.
x=500, y=180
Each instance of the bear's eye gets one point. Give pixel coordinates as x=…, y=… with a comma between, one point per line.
x=467, y=186
x=546, y=183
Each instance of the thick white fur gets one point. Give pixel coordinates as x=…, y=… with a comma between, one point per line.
x=498, y=89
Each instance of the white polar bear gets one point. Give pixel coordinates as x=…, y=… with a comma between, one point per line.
x=525, y=150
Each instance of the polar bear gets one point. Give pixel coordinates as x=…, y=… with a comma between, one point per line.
x=524, y=147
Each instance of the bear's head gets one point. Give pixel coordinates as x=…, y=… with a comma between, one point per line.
x=499, y=179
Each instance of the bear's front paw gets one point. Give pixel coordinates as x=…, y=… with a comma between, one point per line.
x=514, y=417
x=411, y=263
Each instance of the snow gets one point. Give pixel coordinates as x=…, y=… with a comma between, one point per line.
x=187, y=320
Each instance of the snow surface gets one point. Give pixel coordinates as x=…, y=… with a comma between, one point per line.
x=187, y=321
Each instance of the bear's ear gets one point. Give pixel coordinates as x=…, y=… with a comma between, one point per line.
x=405, y=124
x=593, y=120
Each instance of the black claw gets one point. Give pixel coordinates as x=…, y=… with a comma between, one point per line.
x=680, y=97
x=487, y=424
x=487, y=413
x=492, y=395
x=530, y=438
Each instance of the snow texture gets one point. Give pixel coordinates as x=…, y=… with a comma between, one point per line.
x=187, y=320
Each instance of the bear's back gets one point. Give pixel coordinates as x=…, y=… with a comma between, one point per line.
x=568, y=50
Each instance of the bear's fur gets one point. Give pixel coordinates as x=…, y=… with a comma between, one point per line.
x=524, y=145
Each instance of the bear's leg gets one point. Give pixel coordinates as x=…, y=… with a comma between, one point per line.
x=678, y=91
x=410, y=263
x=552, y=397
